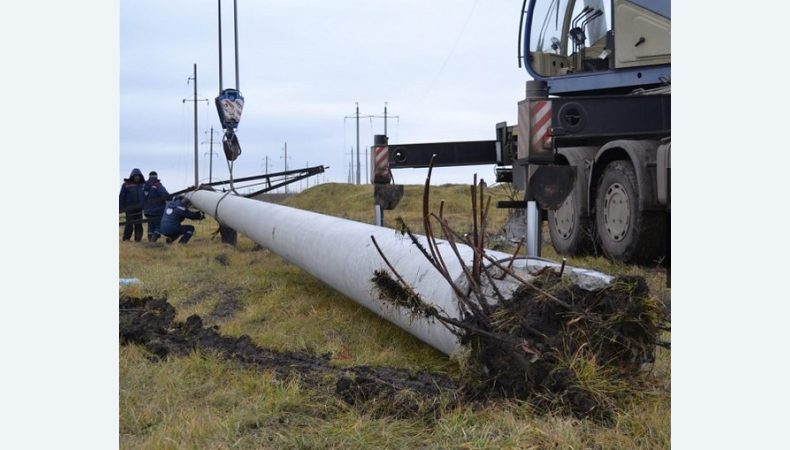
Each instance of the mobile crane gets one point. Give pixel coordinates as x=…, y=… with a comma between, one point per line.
x=591, y=149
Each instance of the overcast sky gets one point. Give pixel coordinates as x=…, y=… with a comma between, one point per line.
x=446, y=68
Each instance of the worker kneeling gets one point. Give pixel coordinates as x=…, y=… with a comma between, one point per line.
x=176, y=211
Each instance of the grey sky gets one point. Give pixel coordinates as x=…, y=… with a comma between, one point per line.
x=447, y=69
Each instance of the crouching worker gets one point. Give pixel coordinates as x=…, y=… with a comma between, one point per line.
x=175, y=212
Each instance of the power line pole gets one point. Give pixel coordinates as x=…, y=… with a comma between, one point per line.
x=195, y=100
x=358, y=167
x=385, y=116
x=357, y=116
x=267, y=165
x=307, y=180
x=351, y=165
x=210, y=153
x=194, y=74
x=285, y=160
x=385, y=119
x=358, y=178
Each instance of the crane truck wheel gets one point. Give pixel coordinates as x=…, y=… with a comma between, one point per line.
x=626, y=233
x=569, y=229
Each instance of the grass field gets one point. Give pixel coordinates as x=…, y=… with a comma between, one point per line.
x=204, y=401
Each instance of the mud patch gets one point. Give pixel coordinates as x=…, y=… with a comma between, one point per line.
x=227, y=306
x=577, y=351
x=380, y=391
x=560, y=347
x=198, y=297
x=222, y=259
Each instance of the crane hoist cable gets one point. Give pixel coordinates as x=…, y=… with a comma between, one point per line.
x=229, y=102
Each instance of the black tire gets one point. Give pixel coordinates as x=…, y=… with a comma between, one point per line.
x=570, y=231
x=626, y=233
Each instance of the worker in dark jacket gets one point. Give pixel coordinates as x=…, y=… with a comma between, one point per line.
x=155, y=196
x=131, y=202
x=176, y=211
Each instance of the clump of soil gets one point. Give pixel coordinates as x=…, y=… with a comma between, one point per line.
x=553, y=343
x=550, y=342
x=380, y=391
x=575, y=350
x=392, y=292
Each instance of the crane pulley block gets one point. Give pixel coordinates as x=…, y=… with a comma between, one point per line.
x=230, y=145
x=230, y=104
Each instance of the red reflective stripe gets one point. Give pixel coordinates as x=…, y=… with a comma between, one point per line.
x=540, y=117
x=536, y=106
x=540, y=121
x=381, y=160
x=381, y=156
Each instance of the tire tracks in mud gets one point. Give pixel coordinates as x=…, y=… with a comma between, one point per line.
x=380, y=391
x=227, y=306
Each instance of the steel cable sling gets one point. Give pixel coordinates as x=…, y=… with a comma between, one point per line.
x=229, y=102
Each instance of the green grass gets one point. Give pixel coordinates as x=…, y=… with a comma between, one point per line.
x=356, y=203
x=202, y=401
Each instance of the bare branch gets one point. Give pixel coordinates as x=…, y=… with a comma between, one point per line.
x=475, y=240
x=512, y=274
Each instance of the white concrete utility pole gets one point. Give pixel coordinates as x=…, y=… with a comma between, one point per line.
x=326, y=247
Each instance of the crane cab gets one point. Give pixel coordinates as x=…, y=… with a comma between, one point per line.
x=597, y=46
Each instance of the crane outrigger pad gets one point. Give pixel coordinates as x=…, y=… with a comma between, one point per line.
x=551, y=185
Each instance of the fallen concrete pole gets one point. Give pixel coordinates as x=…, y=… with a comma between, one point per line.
x=340, y=253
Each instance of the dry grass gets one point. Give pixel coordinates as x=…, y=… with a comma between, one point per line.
x=356, y=203
x=202, y=401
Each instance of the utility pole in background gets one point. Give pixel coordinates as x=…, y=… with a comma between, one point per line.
x=210, y=153
x=385, y=116
x=358, y=178
x=285, y=160
x=266, y=158
x=194, y=74
x=385, y=131
x=351, y=165
x=195, y=100
x=307, y=180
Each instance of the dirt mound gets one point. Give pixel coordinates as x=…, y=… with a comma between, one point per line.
x=576, y=350
x=553, y=343
x=381, y=391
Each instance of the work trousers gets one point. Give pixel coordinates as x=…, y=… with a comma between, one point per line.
x=134, y=222
x=153, y=227
x=186, y=232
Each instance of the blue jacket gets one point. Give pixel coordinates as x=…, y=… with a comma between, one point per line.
x=132, y=195
x=175, y=213
x=155, y=194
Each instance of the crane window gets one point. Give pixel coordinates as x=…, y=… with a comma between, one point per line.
x=569, y=36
